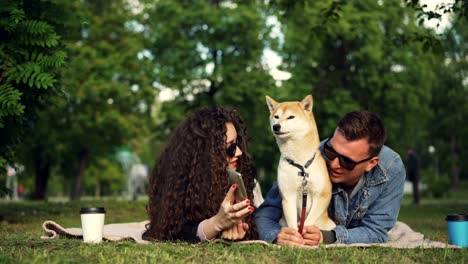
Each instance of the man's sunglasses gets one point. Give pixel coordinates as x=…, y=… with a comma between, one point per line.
x=231, y=150
x=345, y=162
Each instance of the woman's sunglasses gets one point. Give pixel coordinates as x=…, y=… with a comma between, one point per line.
x=345, y=162
x=231, y=150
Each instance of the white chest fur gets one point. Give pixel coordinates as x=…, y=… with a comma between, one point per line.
x=317, y=186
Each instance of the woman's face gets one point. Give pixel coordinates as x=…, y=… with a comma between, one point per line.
x=231, y=138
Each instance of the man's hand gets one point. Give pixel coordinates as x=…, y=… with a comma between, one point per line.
x=312, y=235
x=289, y=237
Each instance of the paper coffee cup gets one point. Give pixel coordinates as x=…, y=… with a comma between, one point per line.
x=92, y=223
x=458, y=229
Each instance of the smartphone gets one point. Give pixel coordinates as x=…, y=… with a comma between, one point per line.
x=236, y=177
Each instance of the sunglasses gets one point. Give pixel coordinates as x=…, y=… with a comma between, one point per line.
x=345, y=162
x=231, y=150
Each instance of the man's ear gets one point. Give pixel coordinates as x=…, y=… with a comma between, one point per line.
x=372, y=163
x=271, y=103
x=307, y=103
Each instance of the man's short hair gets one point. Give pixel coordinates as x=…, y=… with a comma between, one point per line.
x=364, y=124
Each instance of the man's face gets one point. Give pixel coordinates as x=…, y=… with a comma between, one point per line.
x=356, y=150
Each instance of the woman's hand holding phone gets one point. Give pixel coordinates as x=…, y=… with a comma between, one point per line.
x=229, y=214
x=236, y=178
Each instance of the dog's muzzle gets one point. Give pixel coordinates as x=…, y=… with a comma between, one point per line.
x=276, y=128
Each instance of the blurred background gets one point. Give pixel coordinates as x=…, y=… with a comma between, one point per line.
x=91, y=90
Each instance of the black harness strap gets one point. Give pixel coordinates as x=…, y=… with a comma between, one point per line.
x=302, y=172
x=304, y=175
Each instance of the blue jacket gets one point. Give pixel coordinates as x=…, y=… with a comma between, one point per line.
x=365, y=218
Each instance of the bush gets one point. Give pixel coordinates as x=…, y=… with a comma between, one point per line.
x=438, y=185
x=5, y=191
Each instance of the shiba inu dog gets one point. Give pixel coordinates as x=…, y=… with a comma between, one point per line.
x=303, y=180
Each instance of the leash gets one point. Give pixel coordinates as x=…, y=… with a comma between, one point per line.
x=304, y=175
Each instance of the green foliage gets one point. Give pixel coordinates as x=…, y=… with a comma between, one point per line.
x=10, y=101
x=27, y=56
x=30, y=74
x=438, y=185
x=30, y=56
x=107, y=101
x=5, y=191
x=37, y=33
x=450, y=100
x=358, y=55
x=211, y=54
x=16, y=16
x=458, y=8
x=104, y=177
x=349, y=55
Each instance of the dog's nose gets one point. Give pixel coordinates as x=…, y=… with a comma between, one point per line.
x=276, y=127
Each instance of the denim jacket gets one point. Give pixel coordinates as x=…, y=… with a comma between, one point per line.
x=365, y=218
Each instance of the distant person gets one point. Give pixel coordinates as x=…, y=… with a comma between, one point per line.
x=137, y=180
x=12, y=182
x=190, y=196
x=20, y=190
x=413, y=174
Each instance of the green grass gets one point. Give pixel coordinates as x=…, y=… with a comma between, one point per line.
x=20, y=229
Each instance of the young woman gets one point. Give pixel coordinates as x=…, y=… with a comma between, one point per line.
x=190, y=196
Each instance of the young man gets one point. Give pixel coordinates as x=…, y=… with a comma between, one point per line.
x=368, y=180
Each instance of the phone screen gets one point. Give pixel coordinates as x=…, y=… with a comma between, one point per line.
x=236, y=177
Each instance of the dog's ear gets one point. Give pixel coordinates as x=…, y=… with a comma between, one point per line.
x=271, y=103
x=307, y=103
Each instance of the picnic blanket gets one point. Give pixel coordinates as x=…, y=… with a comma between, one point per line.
x=400, y=236
x=111, y=232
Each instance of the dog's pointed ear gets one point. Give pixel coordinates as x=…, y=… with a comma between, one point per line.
x=271, y=103
x=307, y=103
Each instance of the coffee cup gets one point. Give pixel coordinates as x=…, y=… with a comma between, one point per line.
x=92, y=223
x=458, y=229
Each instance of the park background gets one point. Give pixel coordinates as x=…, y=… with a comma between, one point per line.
x=85, y=83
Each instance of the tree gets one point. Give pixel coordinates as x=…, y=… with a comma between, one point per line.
x=108, y=97
x=457, y=8
x=356, y=55
x=210, y=52
x=450, y=102
x=30, y=56
x=450, y=85
x=110, y=85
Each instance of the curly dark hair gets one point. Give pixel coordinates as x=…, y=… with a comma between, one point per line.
x=189, y=179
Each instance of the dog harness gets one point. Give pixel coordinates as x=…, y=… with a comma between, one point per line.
x=305, y=176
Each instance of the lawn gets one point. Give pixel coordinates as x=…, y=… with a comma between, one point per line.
x=20, y=229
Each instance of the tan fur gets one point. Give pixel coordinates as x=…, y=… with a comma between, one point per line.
x=299, y=143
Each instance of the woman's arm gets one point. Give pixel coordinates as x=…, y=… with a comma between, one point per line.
x=229, y=214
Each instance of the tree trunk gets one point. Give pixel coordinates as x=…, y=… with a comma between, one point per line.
x=97, y=190
x=454, y=164
x=83, y=157
x=41, y=174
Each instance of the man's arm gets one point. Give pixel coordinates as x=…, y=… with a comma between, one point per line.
x=267, y=216
x=381, y=215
